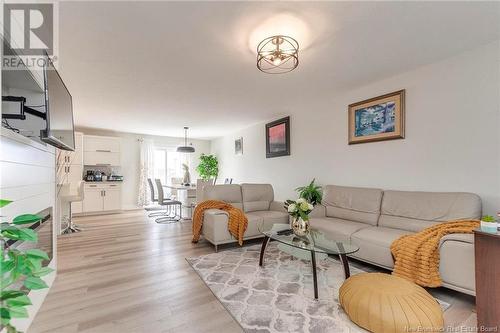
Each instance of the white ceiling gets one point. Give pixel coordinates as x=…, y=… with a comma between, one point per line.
x=154, y=67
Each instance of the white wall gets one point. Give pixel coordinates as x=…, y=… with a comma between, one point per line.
x=27, y=177
x=130, y=158
x=452, y=136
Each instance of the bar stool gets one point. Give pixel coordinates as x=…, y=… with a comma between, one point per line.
x=71, y=227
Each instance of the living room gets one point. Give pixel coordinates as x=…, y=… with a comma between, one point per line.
x=251, y=166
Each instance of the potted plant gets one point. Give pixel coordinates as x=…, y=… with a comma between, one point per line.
x=208, y=167
x=21, y=270
x=299, y=210
x=312, y=193
x=488, y=223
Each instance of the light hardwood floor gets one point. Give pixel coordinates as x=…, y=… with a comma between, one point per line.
x=124, y=273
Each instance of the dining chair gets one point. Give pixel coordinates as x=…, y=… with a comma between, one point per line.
x=155, y=208
x=175, y=181
x=173, y=208
x=228, y=181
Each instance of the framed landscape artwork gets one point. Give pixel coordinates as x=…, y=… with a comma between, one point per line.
x=278, y=138
x=379, y=118
x=238, y=146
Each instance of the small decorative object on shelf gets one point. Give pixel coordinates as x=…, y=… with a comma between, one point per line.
x=187, y=176
x=299, y=210
x=488, y=223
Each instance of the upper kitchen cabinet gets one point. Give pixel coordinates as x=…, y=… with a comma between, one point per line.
x=101, y=150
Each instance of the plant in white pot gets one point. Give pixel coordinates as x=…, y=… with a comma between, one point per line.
x=488, y=223
x=299, y=210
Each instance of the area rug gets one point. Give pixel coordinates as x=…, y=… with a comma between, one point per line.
x=279, y=296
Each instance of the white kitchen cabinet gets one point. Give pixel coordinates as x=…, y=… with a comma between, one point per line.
x=102, y=197
x=75, y=175
x=101, y=143
x=112, y=199
x=99, y=158
x=69, y=164
x=92, y=201
x=101, y=150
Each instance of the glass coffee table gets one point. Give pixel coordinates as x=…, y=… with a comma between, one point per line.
x=315, y=242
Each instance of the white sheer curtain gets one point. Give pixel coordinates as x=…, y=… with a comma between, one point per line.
x=146, y=170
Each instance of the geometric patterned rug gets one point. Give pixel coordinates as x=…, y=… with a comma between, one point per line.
x=277, y=297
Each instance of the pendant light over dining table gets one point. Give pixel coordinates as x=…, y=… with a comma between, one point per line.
x=186, y=148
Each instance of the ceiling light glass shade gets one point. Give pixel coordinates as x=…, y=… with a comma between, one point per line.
x=185, y=148
x=278, y=54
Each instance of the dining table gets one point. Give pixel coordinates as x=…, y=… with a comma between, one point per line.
x=186, y=194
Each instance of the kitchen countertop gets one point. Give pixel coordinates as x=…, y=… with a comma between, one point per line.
x=103, y=182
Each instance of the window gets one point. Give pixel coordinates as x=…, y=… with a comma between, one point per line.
x=168, y=164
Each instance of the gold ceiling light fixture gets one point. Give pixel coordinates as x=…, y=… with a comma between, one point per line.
x=278, y=54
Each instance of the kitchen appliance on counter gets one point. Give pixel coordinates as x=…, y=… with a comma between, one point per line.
x=115, y=178
x=89, y=176
x=98, y=176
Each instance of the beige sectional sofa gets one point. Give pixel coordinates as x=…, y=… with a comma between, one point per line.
x=256, y=200
x=373, y=219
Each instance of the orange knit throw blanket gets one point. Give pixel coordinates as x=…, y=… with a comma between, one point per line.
x=237, y=220
x=416, y=256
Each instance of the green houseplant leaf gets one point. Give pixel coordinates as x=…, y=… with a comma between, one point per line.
x=8, y=294
x=35, y=253
x=19, y=301
x=34, y=283
x=26, y=219
x=43, y=271
x=4, y=313
x=311, y=192
x=6, y=266
x=4, y=202
x=20, y=234
x=18, y=312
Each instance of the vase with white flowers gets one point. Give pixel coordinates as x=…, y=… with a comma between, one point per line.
x=299, y=210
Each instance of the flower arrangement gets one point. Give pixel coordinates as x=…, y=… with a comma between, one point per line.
x=299, y=208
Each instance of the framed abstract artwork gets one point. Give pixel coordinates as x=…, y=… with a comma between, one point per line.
x=238, y=146
x=278, y=138
x=379, y=118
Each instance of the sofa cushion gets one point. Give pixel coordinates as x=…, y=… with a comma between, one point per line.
x=256, y=196
x=352, y=203
x=375, y=244
x=254, y=223
x=230, y=193
x=337, y=229
x=415, y=211
x=270, y=217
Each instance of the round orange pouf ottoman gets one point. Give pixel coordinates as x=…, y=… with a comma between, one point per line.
x=386, y=303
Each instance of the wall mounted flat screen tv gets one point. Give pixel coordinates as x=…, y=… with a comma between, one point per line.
x=59, y=110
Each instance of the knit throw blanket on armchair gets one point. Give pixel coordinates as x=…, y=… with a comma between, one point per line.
x=237, y=221
x=416, y=257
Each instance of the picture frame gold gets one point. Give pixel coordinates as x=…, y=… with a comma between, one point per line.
x=377, y=119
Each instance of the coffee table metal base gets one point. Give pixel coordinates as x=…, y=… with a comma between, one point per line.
x=343, y=260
